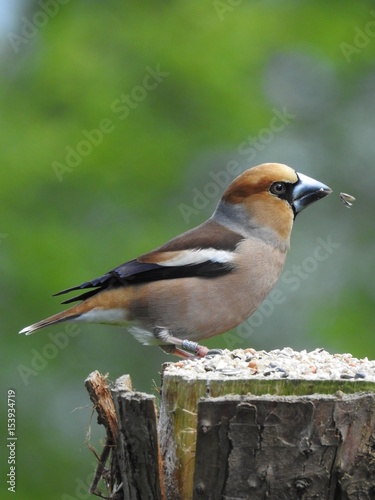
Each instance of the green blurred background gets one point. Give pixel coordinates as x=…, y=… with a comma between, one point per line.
x=181, y=90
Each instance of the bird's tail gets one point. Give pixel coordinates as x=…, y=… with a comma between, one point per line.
x=68, y=315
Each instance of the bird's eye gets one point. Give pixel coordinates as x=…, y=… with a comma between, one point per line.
x=278, y=188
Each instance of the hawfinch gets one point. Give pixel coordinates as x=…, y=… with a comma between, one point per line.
x=209, y=279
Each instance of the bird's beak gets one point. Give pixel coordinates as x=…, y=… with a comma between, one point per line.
x=306, y=191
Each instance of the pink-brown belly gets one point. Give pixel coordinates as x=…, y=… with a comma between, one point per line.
x=198, y=308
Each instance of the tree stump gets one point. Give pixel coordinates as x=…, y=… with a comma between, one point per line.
x=242, y=426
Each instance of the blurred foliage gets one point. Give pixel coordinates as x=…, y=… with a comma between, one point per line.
x=226, y=73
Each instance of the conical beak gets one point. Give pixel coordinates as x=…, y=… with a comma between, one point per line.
x=306, y=191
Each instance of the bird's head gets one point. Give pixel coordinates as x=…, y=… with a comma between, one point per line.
x=270, y=196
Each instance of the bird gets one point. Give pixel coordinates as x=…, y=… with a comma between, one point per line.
x=208, y=279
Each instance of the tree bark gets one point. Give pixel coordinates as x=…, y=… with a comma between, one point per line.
x=232, y=438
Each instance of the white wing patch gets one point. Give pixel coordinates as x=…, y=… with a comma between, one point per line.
x=191, y=257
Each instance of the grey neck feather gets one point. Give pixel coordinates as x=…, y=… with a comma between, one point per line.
x=236, y=218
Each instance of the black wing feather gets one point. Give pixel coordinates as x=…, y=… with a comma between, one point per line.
x=210, y=234
x=135, y=272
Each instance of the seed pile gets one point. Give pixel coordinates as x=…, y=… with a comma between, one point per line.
x=277, y=364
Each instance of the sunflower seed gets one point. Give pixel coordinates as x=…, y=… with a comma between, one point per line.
x=347, y=199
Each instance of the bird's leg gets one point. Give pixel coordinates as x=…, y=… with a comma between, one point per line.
x=172, y=349
x=184, y=348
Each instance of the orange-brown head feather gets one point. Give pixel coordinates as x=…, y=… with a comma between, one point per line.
x=252, y=190
x=258, y=180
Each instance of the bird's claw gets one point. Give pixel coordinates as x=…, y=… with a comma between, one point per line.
x=214, y=352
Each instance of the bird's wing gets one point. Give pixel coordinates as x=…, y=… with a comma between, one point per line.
x=206, y=251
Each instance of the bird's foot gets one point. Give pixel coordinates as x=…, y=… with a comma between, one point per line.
x=184, y=348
